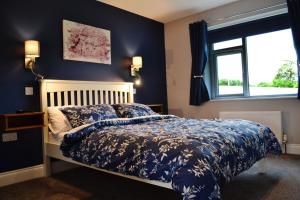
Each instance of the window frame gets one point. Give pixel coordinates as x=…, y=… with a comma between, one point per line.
x=242, y=49
x=282, y=24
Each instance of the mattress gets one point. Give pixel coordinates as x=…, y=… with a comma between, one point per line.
x=56, y=138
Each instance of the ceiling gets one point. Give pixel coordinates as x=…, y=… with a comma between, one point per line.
x=166, y=10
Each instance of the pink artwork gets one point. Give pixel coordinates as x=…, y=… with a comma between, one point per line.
x=86, y=43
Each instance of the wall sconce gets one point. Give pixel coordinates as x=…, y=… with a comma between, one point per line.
x=137, y=63
x=32, y=51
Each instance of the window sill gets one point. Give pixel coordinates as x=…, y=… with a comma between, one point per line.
x=253, y=98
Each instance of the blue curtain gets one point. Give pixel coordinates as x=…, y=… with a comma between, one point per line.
x=199, y=49
x=294, y=15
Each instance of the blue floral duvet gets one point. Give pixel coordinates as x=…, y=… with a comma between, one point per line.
x=194, y=155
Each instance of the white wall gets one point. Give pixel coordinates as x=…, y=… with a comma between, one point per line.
x=179, y=68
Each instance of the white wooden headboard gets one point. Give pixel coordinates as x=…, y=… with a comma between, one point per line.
x=64, y=93
x=78, y=93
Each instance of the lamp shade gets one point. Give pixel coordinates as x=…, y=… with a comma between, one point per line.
x=137, y=61
x=32, y=48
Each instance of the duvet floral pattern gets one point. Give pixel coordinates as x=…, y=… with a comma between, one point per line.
x=194, y=155
x=81, y=115
x=132, y=110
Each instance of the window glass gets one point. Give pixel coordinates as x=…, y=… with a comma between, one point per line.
x=230, y=75
x=228, y=44
x=272, y=68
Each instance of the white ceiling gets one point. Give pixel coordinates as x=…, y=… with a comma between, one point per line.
x=166, y=10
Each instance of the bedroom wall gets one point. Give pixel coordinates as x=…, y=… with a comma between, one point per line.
x=179, y=68
x=42, y=20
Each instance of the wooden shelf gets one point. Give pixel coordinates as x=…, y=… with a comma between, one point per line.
x=158, y=108
x=21, y=121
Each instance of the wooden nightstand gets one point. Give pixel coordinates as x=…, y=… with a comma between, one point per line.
x=21, y=121
x=158, y=108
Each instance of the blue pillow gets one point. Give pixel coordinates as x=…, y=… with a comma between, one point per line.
x=133, y=110
x=80, y=115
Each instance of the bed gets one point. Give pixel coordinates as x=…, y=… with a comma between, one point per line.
x=190, y=156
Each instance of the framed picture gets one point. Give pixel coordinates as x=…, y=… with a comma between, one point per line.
x=86, y=43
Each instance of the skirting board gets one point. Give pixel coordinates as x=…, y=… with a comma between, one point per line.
x=293, y=149
x=20, y=175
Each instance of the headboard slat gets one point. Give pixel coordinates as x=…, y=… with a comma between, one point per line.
x=106, y=97
x=84, y=98
x=91, y=97
x=72, y=98
x=116, y=97
x=121, y=97
x=97, y=97
x=66, y=102
x=78, y=98
x=125, y=98
x=52, y=103
x=101, y=96
x=59, y=99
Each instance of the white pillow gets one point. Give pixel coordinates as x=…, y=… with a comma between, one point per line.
x=58, y=122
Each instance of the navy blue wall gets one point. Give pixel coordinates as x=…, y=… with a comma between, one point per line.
x=42, y=20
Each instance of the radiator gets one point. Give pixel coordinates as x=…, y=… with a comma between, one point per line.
x=271, y=119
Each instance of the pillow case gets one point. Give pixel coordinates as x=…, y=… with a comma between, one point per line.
x=80, y=115
x=58, y=122
x=133, y=110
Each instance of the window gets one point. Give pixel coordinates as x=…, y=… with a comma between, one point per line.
x=272, y=67
x=230, y=83
x=262, y=64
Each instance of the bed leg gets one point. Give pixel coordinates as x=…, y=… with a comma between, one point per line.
x=47, y=166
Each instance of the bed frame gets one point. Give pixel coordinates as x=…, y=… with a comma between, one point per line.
x=64, y=93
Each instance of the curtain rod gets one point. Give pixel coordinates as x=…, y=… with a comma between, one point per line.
x=251, y=11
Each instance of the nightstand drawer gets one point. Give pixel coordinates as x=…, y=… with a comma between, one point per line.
x=17, y=122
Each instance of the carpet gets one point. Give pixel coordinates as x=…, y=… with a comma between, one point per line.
x=279, y=181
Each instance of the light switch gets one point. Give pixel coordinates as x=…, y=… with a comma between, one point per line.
x=9, y=137
x=134, y=91
x=28, y=90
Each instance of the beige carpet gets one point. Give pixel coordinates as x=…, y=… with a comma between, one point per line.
x=281, y=181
